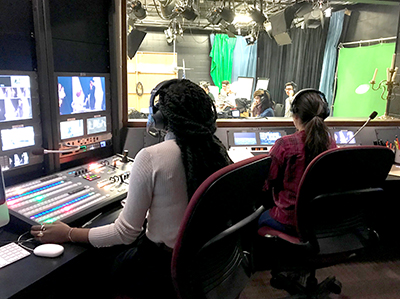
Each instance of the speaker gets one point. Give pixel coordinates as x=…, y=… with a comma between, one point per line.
x=135, y=39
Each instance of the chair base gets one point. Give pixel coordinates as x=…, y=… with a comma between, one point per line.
x=306, y=287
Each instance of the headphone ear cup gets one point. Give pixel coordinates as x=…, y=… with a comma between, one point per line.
x=158, y=120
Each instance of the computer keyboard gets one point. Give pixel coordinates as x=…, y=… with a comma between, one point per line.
x=11, y=253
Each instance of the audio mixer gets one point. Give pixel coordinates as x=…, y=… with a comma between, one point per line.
x=71, y=194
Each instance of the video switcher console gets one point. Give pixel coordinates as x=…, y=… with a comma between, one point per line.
x=71, y=194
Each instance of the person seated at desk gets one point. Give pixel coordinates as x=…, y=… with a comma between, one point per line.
x=226, y=97
x=162, y=180
x=290, y=89
x=262, y=105
x=292, y=153
x=205, y=85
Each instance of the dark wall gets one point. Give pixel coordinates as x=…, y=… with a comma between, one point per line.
x=372, y=22
x=194, y=48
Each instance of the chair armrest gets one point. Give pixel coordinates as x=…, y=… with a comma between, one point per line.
x=235, y=227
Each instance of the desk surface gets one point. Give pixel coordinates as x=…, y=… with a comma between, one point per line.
x=23, y=274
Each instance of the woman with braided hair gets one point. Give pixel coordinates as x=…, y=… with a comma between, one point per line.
x=163, y=178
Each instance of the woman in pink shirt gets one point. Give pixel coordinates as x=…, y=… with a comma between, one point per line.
x=292, y=153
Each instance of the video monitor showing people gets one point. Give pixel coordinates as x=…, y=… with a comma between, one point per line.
x=96, y=125
x=344, y=136
x=71, y=128
x=15, y=97
x=17, y=138
x=244, y=138
x=81, y=94
x=269, y=138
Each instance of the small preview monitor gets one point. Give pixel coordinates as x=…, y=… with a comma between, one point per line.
x=71, y=128
x=343, y=137
x=270, y=137
x=18, y=137
x=81, y=94
x=262, y=83
x=96, y=125
x=15, y=97
x=245, y=138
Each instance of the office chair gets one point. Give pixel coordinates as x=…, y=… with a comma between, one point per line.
x=336, y=194
x=279, y=110
x=212, y=257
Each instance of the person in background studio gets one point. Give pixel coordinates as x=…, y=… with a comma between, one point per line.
x=290, y=89
x=262, y=105
x=292, y=153
x=162, y=180
x=205, y=85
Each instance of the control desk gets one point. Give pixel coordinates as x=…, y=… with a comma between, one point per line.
x=71, y=194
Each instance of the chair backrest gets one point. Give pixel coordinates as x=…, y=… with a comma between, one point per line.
x=278, y=110
x=209, y=258
x=336, y=193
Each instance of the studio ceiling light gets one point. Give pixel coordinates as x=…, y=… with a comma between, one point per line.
x=138, y=10
x=257, y=16
x=187, y=12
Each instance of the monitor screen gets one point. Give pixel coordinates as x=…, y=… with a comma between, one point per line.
x=269, y=138
x=262, y=83
x=81, y=94
x=245, y=138
x=17, y=138
x=71, y=128
x=15, y=97
x=96, y=125
x=343, y=137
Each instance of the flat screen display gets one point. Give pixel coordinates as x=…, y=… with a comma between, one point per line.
x=96, y=125
x=71, y=128
x=78, y=94
x=15, y=97
x=343, y=136
x=244, y=138
x=17, y=138
x=269, y=138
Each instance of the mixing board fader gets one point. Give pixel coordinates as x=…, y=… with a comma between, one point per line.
x=71, y=194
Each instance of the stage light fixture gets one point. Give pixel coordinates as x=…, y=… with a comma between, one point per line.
x=227, y=14
x=138, y=10
x=217, y=14
x=257, y=16
x=188, y=12
x=170, y=35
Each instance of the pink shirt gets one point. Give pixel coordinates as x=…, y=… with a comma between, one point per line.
x=287, y=167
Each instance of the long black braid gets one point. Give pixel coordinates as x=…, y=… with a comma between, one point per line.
x=191, y=115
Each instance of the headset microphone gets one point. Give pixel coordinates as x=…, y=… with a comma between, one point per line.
x=371, y=117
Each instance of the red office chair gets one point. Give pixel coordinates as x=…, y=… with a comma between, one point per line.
x=212, y=256
x=336, y=195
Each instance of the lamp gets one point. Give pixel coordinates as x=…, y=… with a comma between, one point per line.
x=257, y=16
x=186, y=11
x=217, y=14
x=138, y=10
x=390, y=83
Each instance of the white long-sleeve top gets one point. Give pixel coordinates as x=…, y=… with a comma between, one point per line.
x=157, y=191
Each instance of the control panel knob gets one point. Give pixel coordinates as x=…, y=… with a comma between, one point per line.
x=125, y=157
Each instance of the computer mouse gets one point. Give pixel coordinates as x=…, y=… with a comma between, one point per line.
x=48, y=250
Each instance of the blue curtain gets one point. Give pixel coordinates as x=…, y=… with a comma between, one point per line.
x=244, y=59
x=330, y=55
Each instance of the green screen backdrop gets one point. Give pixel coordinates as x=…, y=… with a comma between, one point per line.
x=356, y=66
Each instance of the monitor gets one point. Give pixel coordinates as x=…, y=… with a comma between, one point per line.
x=96, y=125
x=4, y=215
x=71, y=128
x=262, y=83
x=343, y=137
x=244, y=87
x=81, y=93
x=15, y=97
x=244, y=138
x=269, y=138
x=17, y=137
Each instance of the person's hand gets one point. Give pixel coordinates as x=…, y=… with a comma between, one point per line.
x=51, y=233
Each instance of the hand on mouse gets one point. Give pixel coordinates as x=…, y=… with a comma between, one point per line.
x=51, y=233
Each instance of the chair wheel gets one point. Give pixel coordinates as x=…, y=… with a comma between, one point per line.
x=335, y=286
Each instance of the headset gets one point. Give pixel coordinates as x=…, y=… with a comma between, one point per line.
x=294, y=108
x=294, y=85
x=156, y=120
